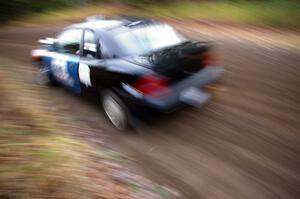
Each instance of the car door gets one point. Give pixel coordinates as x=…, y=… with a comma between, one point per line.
x=89, y=55
x=64, y=62
x=95, y=69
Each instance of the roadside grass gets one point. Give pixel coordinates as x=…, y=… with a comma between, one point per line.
x=41, y=157
x=38, y=158
x=261, y=13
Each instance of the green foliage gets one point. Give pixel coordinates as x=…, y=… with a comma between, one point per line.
x=16, y=8
x=258, y=12
x=265, y=12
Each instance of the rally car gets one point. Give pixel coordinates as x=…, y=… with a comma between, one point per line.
x=135, y=65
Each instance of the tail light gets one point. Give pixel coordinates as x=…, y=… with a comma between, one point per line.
x=209, y=59
x=152, y=85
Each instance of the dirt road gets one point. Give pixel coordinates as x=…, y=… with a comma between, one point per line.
x=244, y=144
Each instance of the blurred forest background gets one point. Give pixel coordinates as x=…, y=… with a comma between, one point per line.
x=283, y=13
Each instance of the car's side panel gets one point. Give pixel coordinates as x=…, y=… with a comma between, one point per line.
x=63, y=69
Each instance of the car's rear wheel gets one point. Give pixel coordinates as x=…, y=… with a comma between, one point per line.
x=115, y=110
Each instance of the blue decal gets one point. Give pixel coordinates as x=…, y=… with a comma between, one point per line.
x=64, y=70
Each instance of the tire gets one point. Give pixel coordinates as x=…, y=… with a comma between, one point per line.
x=115, y=110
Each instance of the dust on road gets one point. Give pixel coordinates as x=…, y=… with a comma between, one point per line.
x=244, y=144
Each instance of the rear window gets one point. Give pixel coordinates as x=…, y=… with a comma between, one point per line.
x=147, y=38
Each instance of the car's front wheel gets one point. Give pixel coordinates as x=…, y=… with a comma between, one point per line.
x=42, y=76
x=115, y=110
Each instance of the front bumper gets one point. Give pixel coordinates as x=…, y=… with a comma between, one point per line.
x=173, y=100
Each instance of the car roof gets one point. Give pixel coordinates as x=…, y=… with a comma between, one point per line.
x=102, y=24
x=98, y=24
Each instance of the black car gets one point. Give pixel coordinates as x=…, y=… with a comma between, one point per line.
x=135, y=65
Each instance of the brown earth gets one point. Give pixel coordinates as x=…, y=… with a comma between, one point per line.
x=244, y=144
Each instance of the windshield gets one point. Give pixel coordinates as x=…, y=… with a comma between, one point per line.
x=145, y=39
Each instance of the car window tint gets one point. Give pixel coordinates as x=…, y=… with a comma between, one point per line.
x=89, y=44
x=147, y=38
x=69, y=41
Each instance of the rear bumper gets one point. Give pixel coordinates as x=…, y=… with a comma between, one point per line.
x=172, y=101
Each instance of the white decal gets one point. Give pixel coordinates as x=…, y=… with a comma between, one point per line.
x=84, y=75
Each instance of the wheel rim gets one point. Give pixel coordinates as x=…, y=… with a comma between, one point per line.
x=42, y=76
x=114, y=112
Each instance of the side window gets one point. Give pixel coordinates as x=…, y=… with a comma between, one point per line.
x=105, y=53
x=69, y=41
x=89, y=44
